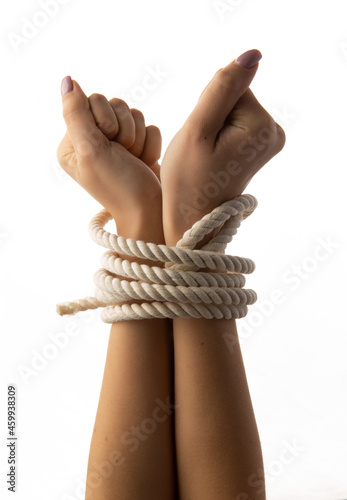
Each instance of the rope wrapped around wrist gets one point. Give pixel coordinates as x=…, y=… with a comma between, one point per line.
x=182, y=288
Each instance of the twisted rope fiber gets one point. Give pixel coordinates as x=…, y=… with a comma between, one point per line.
x=180, y=289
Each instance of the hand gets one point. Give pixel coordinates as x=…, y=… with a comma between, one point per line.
x=111, y=153
x=227, y=138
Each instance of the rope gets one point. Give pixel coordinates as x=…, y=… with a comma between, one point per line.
x=180, y=289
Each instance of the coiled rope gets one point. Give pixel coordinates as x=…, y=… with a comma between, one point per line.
x=180, y=289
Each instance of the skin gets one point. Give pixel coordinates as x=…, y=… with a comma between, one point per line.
x=218, y=452
x=217, y=441
x=226, y=132
x=111, y=153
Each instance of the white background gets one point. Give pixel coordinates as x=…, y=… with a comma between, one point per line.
x=294, y=352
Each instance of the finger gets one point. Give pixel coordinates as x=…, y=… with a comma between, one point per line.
x=247, y=112
x=140, y=132
x=104, y=115
x=126, y=132
x=152, y=148
x=222, y=93
x=85, y=135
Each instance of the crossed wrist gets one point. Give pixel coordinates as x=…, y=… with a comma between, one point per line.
x=144, y=226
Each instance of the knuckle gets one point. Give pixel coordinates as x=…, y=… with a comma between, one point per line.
x=266, y=134
x=119, y=104
x=137, y=115
x=121, y=110
x=108, y=126
x=153, y=129
x=97, y=98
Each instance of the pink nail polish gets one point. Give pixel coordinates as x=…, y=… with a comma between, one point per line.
x=249, y=59
x=66, y=85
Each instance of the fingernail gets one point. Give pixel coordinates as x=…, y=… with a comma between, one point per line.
x=249, y=59
x=66, y=85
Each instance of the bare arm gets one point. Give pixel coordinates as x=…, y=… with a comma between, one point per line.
x=132, y=447
x=110, y=152
x=227, y=138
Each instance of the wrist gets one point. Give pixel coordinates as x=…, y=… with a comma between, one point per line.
x=142, y=226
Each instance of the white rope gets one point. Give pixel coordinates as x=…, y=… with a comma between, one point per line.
x=181, y=288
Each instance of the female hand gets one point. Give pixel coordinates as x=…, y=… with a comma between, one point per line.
x=111, y=153
x=226, y=139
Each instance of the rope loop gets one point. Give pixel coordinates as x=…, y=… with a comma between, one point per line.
x=183, y=288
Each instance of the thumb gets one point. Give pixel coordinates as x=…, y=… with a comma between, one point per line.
x=222, y=93
x=80, y=123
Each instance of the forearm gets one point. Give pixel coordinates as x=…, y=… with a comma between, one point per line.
x=217, y=439
x=218, y=446
x=132, y=427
